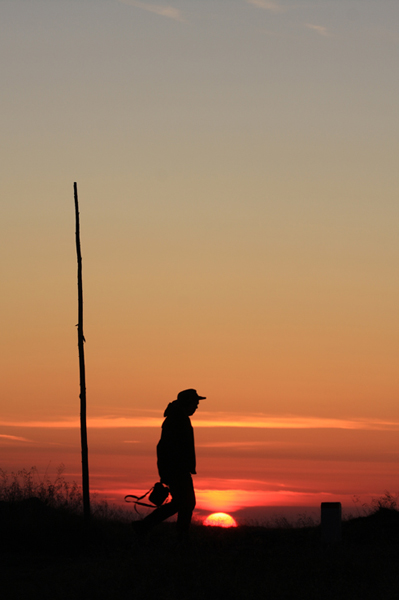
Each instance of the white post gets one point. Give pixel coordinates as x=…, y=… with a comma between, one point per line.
x=331, y=513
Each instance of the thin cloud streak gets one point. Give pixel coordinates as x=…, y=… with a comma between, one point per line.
x=225, y=420
x=270, y=6
x=163, y=11
x=244, y=444
x=320, y=29
x=236, y=499
x=13, y=438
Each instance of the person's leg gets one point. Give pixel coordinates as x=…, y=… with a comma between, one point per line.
x=159, y=514
x=183, y=503
x=183, y=495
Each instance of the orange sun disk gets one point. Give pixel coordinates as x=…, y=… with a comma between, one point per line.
x=220, y=519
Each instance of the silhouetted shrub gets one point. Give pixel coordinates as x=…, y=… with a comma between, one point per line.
x=388, y=502
x=24, y=484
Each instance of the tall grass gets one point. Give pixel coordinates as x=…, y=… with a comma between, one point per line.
x=26, y=484
x=56, y=492
x=387, y=503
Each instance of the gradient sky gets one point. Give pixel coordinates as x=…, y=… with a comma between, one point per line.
x=237, y=169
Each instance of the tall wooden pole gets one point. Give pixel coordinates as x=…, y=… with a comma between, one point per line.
x=82, y=372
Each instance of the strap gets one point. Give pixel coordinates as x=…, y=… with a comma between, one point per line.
x=136, y=500
x=139, y=503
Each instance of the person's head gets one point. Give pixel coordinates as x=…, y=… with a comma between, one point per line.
x=189, y=400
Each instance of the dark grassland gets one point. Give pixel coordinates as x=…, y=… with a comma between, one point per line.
x=47, y=554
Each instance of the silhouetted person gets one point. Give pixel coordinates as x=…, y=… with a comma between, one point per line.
x=176, y=464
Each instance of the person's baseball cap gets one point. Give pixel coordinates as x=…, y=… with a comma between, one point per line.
x=189, y=395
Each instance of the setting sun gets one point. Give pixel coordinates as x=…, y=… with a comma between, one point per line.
x=220, y=519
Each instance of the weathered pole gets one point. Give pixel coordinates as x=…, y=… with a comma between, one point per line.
x=82, y=372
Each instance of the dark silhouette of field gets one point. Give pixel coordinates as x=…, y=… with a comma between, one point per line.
x=46, y=553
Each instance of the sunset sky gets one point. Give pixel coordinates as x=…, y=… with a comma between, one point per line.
x=237, y=170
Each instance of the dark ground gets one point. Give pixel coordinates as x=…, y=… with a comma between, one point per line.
x=45, y=554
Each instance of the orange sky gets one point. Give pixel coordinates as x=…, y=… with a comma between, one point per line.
x=237, y=175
